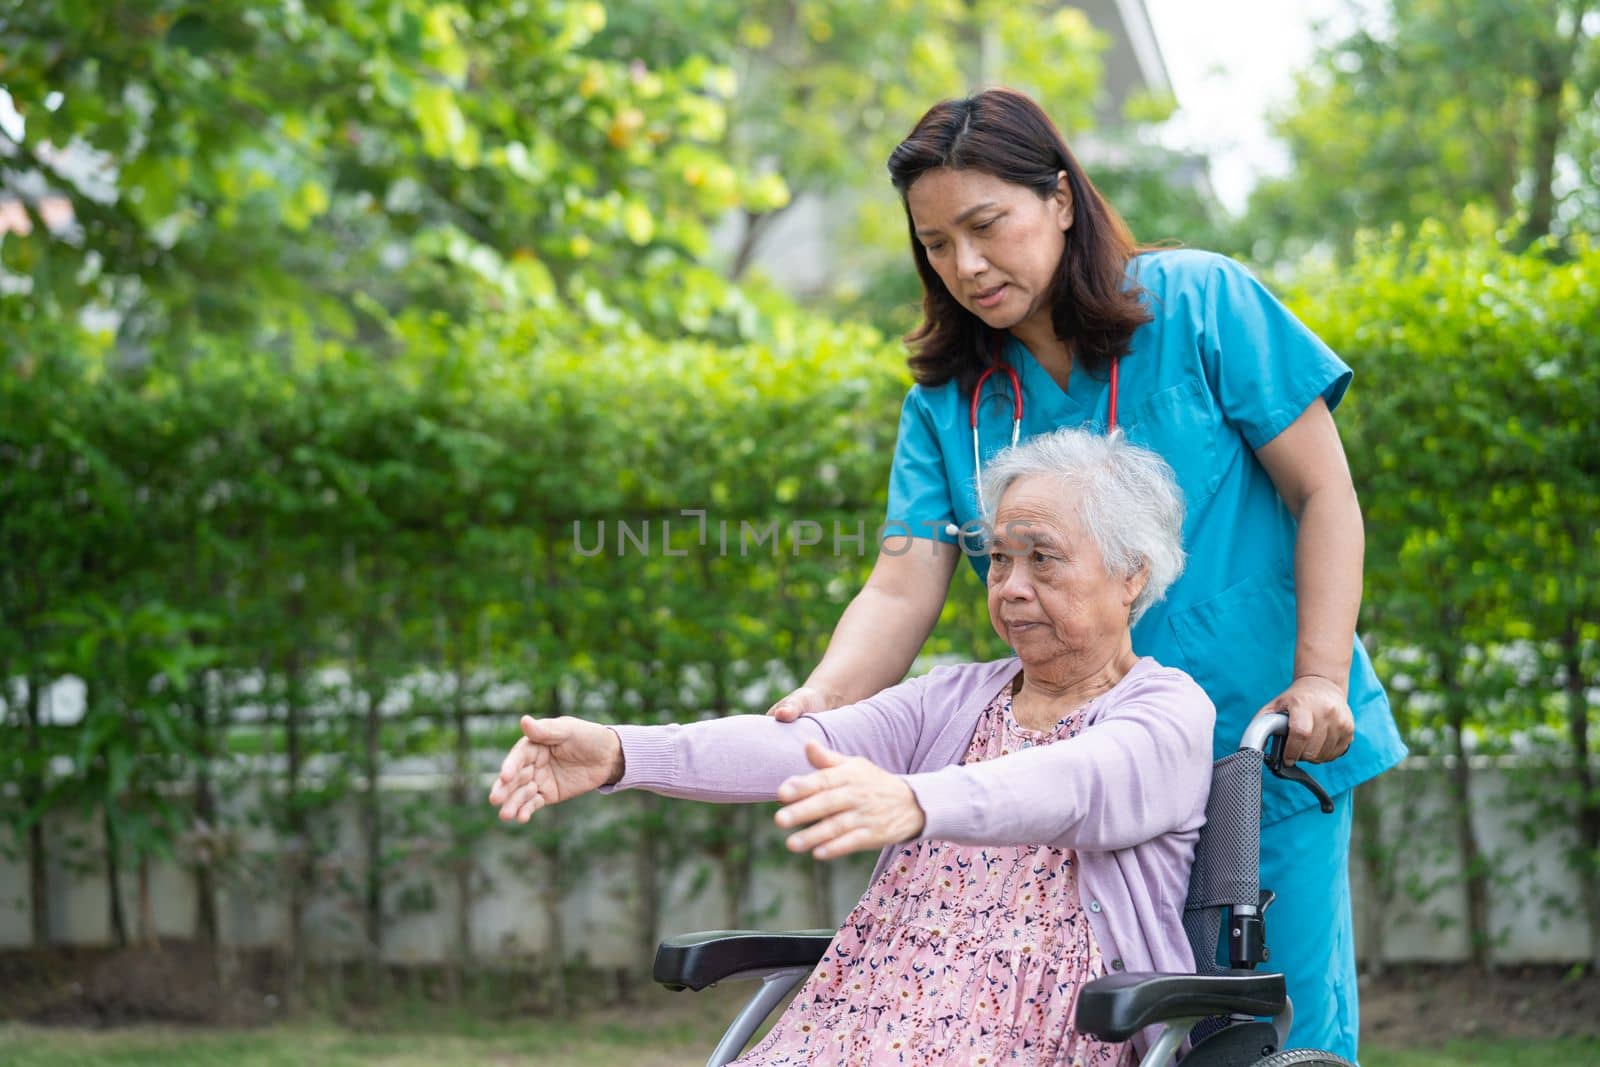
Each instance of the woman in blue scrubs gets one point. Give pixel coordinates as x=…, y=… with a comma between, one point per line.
x=1024, y=264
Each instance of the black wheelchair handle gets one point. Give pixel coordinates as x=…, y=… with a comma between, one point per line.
x=1265, y=735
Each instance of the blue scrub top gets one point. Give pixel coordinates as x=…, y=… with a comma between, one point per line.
x=1221, y=369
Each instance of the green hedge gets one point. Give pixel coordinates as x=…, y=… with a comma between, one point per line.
x=1472, y=435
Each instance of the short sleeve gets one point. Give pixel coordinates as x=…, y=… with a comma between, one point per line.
x=1264, y=365
x=919, y=487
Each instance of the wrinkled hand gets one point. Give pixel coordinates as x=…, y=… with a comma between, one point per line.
x=1321, y=726
x=802, y=701
x=555, y=760
x=850, y=803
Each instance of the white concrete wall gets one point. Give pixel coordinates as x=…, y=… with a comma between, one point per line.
x=509, y=921
x=1535, y=912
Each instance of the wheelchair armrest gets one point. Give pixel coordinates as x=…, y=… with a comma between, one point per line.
x=694, y=961
x=1117, y=1006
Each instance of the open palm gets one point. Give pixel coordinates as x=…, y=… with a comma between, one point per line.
x=555, y=760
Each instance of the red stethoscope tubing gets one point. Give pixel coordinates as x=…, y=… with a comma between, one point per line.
x=1016, y=401
x=1111, y=400
x=999, y=366
x=977, y=399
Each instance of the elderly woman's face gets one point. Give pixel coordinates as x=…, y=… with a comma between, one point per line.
x=1050, y=597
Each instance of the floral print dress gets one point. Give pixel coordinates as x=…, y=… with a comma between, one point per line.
x=957, y=954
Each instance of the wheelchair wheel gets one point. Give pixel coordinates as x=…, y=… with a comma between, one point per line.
x=1304, y=1057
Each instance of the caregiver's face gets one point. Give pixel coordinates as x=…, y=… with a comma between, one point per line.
x=1050, y=597
x=995, y=244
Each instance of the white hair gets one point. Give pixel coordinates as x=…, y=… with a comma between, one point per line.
x=1129, y=502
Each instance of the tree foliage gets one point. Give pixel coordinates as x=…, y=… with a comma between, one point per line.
x=1435, y=106
x=294, y=173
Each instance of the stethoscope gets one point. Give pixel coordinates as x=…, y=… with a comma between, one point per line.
x=1000, y=366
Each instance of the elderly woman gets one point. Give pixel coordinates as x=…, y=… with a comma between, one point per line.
x=1037, y=815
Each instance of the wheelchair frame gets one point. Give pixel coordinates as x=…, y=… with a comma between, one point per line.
x=1218, y=1009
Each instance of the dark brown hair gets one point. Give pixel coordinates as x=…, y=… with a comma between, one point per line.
x=1005, y=134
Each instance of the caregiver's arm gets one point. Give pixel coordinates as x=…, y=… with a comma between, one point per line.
x=882, y=630
x=1307, y=465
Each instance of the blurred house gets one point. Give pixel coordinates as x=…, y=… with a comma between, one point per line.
x=1133, y=61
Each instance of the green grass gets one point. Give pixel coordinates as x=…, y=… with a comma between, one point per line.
x=660, y=1032
x=648, y=1038
x=325, y=1045
x=1565, y=1052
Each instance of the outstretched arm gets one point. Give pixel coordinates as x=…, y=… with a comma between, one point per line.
x=839, y=775
x=854, y=803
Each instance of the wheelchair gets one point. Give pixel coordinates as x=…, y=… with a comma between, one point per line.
x=1231, y=1016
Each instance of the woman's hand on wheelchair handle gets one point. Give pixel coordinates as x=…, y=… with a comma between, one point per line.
x=554, y=760
x=1321, y=725
x=848, y=804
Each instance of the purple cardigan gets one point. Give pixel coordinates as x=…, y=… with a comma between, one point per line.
x=1128, y=792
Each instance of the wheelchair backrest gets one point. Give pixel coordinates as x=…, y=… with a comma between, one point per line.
x=1227, y=857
